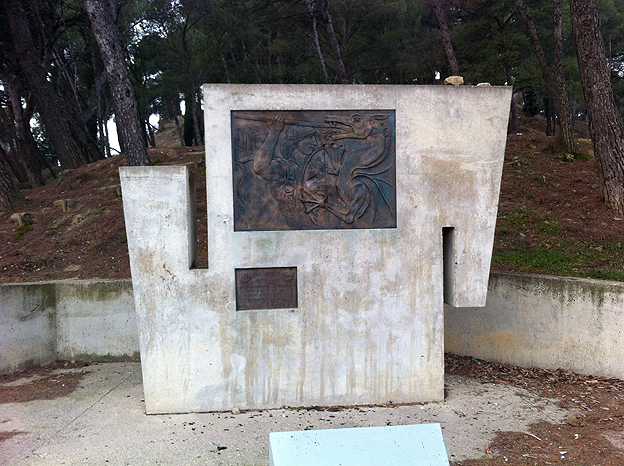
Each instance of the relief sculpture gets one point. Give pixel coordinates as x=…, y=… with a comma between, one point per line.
x=302, y=170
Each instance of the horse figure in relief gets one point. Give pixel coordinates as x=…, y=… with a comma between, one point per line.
x=346, y=177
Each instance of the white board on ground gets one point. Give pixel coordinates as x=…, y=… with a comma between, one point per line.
x=413, y=445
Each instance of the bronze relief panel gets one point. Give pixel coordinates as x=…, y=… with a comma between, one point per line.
x=311, y=170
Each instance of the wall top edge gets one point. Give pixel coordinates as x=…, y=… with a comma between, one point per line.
x=555, y=278
x=66, y=282
x=507, y=275
x=351, y=86
x=138, y=170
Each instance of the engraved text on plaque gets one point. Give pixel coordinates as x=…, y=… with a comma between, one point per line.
x=266, y=288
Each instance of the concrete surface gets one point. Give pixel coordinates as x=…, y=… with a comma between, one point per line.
x=27, y=326
x=408, y=445
x=369, y=324
x=104, y=422
x=91, y=320
x=95, y=321
x=547, y=322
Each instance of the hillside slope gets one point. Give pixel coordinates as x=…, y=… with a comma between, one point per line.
x=551, y=219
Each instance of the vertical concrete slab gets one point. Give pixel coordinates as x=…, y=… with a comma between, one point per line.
x=369, y=324
x=27, y=326
x=158, y=203
x=412, y=445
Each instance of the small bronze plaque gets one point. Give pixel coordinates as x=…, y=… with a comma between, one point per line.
x=268, y=288
x=314, y=170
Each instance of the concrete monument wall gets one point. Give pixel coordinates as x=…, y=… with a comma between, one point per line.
x=368, y=325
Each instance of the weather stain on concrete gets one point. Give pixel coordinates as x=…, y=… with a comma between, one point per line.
x=7, y=435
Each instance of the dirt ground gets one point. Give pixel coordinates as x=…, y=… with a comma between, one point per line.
x=44, y=383
x=88, y=239
x=550, y=202
x=594, y=437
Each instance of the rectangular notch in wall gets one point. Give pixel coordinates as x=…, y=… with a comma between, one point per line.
x=192, y=221
x=198, y=234
x=448, y=263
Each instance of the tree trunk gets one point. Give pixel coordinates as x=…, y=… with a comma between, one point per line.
x=189, y=131
x=549, y=113
x=513, y=127
x=101, y=112
x=565, y=123
x=8, y=124
x=63, y=126
x=108, y=148
x=603, y=115
x=27, y=149
x=11, y=198
x=173, y=109
x=333, y=40
x=101, y=14
x=13, y=165
x=195, y=108
x=446, y=37
x=179, y=128
x=317, y=45
x=46, y=164
x=539, y=53
x=150, y=134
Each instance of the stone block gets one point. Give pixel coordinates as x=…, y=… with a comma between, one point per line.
x=65, y=204
x=61, y=204
x=21, y=218
x=114, y=189
x=454, y=81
